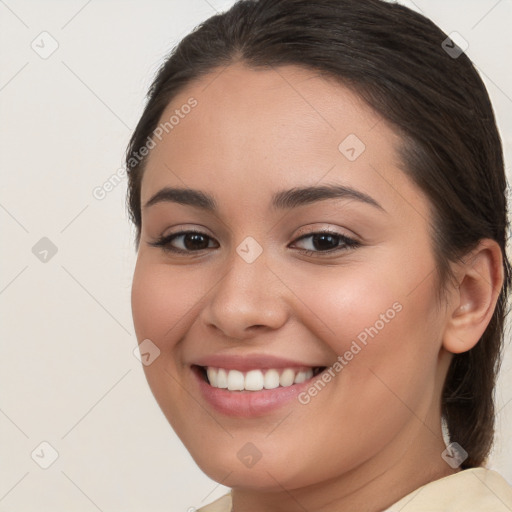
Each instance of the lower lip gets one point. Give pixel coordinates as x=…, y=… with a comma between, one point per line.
x=248, y=404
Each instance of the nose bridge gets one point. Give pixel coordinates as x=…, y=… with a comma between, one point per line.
x=245, y=296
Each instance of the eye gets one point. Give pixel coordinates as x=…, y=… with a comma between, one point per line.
x=326, y=242
x=190, y=241
x=187, y=242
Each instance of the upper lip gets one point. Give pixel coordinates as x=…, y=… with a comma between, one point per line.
x=251, y=362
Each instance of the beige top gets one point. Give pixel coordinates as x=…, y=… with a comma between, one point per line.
x=471, y=490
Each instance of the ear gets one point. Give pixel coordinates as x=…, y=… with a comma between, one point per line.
x=480, y=278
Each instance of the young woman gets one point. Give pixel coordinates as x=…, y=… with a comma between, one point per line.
x=319, y=195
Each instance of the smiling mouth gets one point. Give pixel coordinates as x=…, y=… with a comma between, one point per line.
x=257, y=379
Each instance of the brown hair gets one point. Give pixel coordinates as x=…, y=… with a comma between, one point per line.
x=399, y=62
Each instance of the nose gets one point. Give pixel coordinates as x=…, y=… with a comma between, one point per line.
x=248, y=300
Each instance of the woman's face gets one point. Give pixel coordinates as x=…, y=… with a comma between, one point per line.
x=262, y=295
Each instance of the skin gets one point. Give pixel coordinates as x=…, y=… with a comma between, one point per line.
x=373, y=434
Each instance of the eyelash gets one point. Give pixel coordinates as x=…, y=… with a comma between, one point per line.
x=348, y=243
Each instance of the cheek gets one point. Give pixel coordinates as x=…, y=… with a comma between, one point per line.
x=387, y=338
x=390, y=299
x=160, y=303
x=348, y=304
x=386, y=328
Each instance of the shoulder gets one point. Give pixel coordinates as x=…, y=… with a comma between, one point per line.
x=223, y=504
x=471, y=490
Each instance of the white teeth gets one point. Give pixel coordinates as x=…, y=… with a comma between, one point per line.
x=222, y=378
x=302, y=376
x=271, y=379
x=235, y=380
x=287, y=377
x=256, y=380
x=212, y=376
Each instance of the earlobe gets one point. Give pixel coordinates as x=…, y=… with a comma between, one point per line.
x=480, y=279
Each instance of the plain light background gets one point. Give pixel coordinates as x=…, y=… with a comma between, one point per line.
x=68, y=376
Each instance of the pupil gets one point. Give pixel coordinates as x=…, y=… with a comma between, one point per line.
x=320, y=241
x=195, y=241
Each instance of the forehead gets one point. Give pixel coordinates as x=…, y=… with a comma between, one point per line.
x=254, y=130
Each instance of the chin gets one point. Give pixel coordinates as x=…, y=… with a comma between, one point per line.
x=268, y=474
x=264, y=479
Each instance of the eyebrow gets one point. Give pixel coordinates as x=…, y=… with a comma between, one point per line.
x=285, y=199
